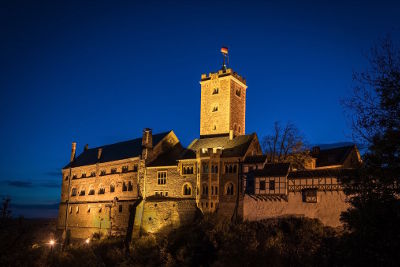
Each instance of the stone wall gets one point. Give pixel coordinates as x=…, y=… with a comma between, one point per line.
x=174, y=182
x=158, y=215
x=328, y=207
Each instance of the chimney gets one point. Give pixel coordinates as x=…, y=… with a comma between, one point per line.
x=86, y=147
x=99, y=151
x=147, y=143
x=73, y=151
x=230, y=134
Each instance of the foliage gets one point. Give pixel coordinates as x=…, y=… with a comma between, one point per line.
x=374, y=216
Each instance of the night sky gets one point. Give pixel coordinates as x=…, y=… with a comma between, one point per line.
x=99, y=72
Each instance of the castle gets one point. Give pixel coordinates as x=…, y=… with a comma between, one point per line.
x=153, y=183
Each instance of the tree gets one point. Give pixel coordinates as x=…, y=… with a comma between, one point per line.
x=374, y=215
x=286, y=144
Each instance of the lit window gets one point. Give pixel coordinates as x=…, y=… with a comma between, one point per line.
x=162, y=177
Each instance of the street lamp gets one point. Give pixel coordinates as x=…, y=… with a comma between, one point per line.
x=87, y=241
x=52, y=243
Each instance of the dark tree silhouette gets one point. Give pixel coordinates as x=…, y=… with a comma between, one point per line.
x=286, y=144
x=374, y=216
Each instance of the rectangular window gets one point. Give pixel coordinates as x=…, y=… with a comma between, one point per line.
x=262, y=185
x=124, y=187
x=135, y=168
x=125, y=168
x=74, y=176
x=272, y=185
x=114, y=170
x=205, y=167
x=130, y=186
x=238, y=92
x=83, y=175
x=310, y=195
x=66, y=177
x=102, y=172
x=162, y=177
x=73, y=193
x=120, y=208
x=92, y=174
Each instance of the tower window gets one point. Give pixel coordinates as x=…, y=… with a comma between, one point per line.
x=215, y=108
x=215, y=127
x=216, y=90
x=238, y=92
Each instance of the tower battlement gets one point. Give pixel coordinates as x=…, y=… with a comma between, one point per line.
x=222, y=73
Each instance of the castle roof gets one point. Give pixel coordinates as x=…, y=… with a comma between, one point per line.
x=333, y=156
x=319, y=173
x=273, y=170
x=168, y=158
x=237, y=147
x=118, y=151
x=255, y=159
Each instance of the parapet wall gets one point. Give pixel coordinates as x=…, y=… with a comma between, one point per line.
x=327, y=209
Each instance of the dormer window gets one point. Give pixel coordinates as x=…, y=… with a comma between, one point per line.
x=215, y=108
x=215, y=91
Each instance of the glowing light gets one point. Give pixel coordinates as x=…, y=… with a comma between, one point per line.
x=87, y=241
x=52, y=242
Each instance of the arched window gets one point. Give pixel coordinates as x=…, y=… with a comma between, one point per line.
x=212, y=168
x=226, y=169
x=82, y=192
x=91, y=190
x=102, y=189
x=234, y=168
x=187, y=190
x=216, y=169
x=230, y=168
x=229, y=189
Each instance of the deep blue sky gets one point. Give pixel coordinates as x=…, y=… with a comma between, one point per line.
x=99, y=72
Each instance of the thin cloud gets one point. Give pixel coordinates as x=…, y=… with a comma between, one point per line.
x=19, y=184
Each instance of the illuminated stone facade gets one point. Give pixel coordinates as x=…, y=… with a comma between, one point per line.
x=153, y=183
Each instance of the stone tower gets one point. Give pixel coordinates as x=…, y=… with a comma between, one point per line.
x=223, y=103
